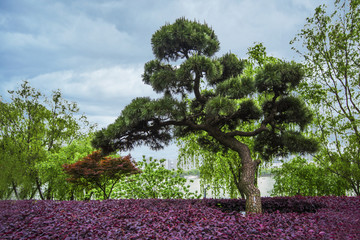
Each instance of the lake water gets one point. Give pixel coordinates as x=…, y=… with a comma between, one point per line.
x=265, y=183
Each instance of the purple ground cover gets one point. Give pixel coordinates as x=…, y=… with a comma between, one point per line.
x=322, y=218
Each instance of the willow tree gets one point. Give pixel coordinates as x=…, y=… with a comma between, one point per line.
x=203, y=93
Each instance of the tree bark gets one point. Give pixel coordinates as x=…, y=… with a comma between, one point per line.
x=246, y=183
x=248, y=170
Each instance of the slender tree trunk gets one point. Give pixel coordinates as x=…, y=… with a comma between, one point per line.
x=49, y=192
x=246, y=183
x=112, y=187
x=32, y=195
x=15, y=190
x=72, y=197
x=248, y=171
x=237, y=179
x=88, y=197
x=38, y=185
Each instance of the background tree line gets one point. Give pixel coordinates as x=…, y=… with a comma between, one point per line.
x=330, y=49
x=46, y=154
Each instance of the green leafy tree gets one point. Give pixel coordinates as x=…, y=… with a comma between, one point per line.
x=330, y=46
x=202, y=93
x=51, y=171
x=155, y=181
x=31, y=128
x=97, y=171
x=219, y=166
x=301, y=177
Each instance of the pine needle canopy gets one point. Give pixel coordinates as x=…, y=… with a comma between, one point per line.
x=202, y=92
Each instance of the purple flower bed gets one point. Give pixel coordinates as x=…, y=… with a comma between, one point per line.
x=333, y=218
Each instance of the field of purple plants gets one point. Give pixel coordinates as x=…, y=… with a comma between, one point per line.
x=283, y=218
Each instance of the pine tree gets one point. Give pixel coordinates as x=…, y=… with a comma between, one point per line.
x=204, y=93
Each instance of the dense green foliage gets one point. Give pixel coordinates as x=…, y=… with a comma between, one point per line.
x=52, y=169
x=301, y=177
x=40, y=135
x=33, y=129
x=155, y=181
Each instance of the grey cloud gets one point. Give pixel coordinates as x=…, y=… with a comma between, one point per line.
x=54, y=36
x=40, y=36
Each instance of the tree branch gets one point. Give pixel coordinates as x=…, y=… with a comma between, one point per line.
x=247, y=134
x=197, y=93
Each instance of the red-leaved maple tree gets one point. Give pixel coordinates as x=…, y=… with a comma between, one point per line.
x=98, y=171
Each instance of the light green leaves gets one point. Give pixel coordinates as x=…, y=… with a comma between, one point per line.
x=155, y=181
x=32, y=128
x=301, y=177
x=332, y=56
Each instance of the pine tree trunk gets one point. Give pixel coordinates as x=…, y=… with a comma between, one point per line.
x=247, y=177
x=247, y=171
x=252, y=193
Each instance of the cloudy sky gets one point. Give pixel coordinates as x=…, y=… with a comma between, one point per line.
x=94, y=50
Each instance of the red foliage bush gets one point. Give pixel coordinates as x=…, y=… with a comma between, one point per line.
x=100, y=171
x=339, y=218
x=96, y=166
